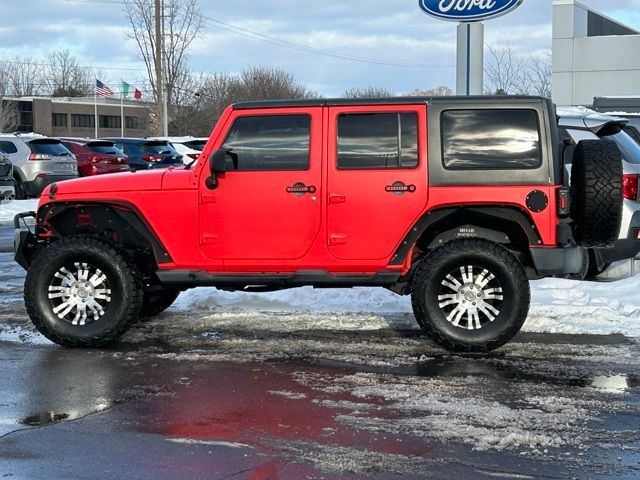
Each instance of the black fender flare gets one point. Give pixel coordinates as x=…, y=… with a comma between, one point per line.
x=116, y=212
x=433, y=217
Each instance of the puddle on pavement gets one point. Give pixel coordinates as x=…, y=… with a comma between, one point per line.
x=44, y=418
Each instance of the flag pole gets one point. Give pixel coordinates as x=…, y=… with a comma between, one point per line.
x=95, y=105
x=122, y=108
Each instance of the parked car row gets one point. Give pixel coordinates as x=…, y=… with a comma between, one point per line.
x=28, y=163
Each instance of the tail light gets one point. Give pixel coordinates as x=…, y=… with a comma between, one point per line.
x=96, y=159
x=40, y=156
x=193, y=156
x=152, y=158
x=630, y=186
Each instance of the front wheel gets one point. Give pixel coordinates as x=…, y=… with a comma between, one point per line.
x=470, y=296
x=81, y=292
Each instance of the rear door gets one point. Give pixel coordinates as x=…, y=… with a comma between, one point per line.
x=377, y=178
x=268, y=206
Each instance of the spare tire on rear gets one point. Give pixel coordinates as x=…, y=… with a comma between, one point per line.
x=596, y=200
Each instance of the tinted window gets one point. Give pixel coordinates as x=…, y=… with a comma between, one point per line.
x=131, y=122
x=8, y=147
x=629, y=148
x=83, y=121
x=160, y=147
x=272, y=142
x=490, y=139
x=49, y=147
x=110, y=121
x=377, y=141
x=196, y=144
x=103, y=147
x=59, y=119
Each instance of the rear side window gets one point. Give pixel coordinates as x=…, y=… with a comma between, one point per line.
x=8, y=147
x=160, y=148
x=103, y=147
x=629, y=148
x=196, y=144
x=271, y=142
x=49, y=148
x=377, y=141
x=490, y=139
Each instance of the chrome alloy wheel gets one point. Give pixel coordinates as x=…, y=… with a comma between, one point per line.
x=79, y=295
x=470, y=297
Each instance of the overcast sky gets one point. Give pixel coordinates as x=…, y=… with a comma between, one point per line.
x=393, y=31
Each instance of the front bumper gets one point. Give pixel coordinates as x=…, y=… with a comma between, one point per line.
x=24, y=243
x=7, y=189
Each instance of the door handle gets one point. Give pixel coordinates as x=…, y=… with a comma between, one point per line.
x=336, y=198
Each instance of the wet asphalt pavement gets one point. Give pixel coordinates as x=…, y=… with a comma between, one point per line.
x=189, y=397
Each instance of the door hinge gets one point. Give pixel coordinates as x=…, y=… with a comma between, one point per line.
x=335, y=198
x=337, y=239
x=208, y=239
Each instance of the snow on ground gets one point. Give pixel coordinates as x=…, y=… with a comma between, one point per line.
x=558, y=306
x=9, y=209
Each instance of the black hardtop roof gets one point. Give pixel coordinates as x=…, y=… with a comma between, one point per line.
x=341, y=102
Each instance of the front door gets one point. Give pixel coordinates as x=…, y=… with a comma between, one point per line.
x=268, y=206
x=377, y=183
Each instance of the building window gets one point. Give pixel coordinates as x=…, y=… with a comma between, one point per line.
x=270, y=142
x=59, y=119
x=377, y=141
x=490, y=139
x=131, y=122
x=83, y=121
x=110, y=121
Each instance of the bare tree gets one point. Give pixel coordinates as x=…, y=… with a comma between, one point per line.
x=539, y=73
x=505, y=72
x=266, y=83
x=8, y=108
x=183, y=23
x=65, y=77
x=432, y=92
x=26, y=77
x=368, y=92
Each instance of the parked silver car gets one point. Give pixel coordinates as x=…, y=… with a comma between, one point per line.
x=37, y=162
x=7, y=191
x=583, y=124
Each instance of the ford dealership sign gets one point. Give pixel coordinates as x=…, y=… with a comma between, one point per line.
x=468, y=10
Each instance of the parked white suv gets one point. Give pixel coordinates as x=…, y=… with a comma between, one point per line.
x=37, y=161
x=189, y=147
x=580, y=124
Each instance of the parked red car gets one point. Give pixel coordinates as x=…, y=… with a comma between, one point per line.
x=96, y=157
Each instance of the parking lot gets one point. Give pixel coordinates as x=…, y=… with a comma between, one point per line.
x=210, y=395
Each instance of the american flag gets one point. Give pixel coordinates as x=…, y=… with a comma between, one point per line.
x=102, y=90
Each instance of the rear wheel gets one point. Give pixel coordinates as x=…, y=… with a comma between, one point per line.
x=470, y=296
x=81, y=292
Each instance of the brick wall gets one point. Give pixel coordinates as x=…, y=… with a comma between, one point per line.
x=42, y=116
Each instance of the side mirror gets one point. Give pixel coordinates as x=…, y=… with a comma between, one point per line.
x=218, y=161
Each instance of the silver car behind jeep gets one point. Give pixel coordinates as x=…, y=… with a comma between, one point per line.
x=37, y=162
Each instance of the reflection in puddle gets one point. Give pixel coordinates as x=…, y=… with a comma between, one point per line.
x=44, y=418
x=611, y=383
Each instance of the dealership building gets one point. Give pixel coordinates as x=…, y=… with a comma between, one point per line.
x=593, y=55
x=76, y=117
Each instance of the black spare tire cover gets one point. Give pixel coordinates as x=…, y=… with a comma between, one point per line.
x=596, y=193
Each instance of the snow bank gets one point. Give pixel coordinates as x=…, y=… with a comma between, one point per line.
x=9, y=209
x=558, y=306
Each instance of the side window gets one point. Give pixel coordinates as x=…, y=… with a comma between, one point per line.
x=270, y=142
x=377, y=141
x=8, y=147
x=490, y=139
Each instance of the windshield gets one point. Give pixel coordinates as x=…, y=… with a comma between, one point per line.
x=104, y=147
x=160, y=147
x=629, y=148
x=49, y=147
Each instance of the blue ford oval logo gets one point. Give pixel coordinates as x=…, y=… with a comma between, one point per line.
x=468, y=10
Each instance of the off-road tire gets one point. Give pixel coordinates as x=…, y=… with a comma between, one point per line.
x=433, y=270
x=121, y=312
x=156, y=300
x=20, y=194
x=596, y=185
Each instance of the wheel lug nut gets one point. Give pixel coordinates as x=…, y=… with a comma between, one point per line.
x=474, y=303
x=478, y=295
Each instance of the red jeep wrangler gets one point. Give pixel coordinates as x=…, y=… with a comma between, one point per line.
x=455, y=201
